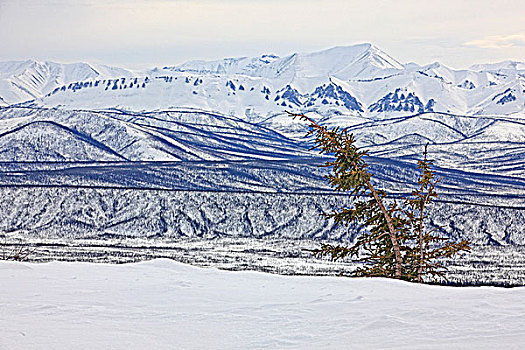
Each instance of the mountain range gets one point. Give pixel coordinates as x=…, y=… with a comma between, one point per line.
x=359, y=80
x=217, y=132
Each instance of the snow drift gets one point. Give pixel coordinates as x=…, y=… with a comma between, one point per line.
x=168, y=305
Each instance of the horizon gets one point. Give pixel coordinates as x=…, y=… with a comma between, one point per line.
x=146, y=66
x=170, y=32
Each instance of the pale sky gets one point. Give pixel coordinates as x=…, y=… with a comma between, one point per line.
x=147, y=33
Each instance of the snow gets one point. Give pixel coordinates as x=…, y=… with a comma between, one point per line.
x=57, y=135
x=102, y=170
x=26, y=80
x=166, y=305
x=364, y=72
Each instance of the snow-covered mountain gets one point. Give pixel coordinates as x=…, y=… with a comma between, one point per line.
x=221, y=126
x=355, y=80
x=27, y=80
x=351, y=62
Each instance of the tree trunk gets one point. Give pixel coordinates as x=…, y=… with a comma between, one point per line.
x=392, y=231
x=393, y=238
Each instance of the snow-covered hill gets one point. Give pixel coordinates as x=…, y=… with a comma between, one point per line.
x=220, y=126
x=477, y=144
x=107, y=156
x=354, y=80
x=476, y=155
x=33, y=134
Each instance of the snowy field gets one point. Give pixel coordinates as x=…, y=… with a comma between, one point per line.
x=162, y=304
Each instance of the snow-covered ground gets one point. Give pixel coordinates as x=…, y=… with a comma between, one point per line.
x=162, y=304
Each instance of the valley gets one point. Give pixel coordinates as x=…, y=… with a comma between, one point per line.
x=113, y=165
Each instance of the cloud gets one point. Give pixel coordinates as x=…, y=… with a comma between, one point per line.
x=499, y=41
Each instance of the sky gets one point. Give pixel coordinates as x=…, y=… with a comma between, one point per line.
x=147, y=33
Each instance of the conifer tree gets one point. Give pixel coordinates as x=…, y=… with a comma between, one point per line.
x=396, y=244
x=429, y=247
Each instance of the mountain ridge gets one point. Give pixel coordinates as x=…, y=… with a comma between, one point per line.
x=357, y=80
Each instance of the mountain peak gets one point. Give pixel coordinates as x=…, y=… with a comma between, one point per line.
x=352, y=62
x=264, y=84
x=344, y=62
x=508, y=64
x=30, y=79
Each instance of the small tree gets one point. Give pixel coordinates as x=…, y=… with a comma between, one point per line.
x=429, y=247
x=396, y=244
x=16, y=252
